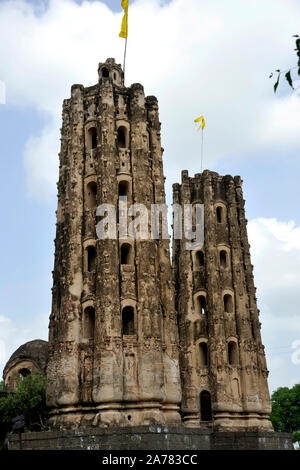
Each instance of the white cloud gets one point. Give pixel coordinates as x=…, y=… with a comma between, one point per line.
x=2, y=92
x=277, y=243
x=275, y=252
x=15, y=333
x=41, y=161
x=280, y=121
x=198, y=57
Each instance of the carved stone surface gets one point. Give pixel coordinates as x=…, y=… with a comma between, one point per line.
x=232, y=355
x=129, y=343
x=111, y=140
x=29, y=357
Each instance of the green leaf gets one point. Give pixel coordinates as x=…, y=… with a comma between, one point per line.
x=298, y=44
x=271, y=75
x=276, y=84
x=289, y=79
x=29, y=399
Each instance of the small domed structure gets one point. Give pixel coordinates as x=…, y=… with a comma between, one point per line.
x=29, y=357
x=110, y=70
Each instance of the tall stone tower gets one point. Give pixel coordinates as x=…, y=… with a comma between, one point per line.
x=113, y=336
x=222, y=360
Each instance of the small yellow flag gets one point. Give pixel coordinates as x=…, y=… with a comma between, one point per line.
x=200, y=119
x=124, y=25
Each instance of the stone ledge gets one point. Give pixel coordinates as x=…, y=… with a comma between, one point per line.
x=151, y=438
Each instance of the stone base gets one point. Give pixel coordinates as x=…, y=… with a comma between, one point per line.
x=150, y=438
x=231, y=422
x=114, y=415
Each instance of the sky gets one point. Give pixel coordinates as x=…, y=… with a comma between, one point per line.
x=199, y=58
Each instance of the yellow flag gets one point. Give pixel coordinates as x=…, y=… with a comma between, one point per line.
x=200, y=119
x=124, y=25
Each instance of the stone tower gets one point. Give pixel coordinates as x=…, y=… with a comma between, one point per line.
x=222, y=359
x=113, y=335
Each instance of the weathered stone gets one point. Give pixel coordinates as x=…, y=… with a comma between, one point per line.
x=221, y=353
x=105, y=369
x=28, y=358
x=150, y=438
x=129, y=344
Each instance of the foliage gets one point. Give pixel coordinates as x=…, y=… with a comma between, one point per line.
x=296, y=437
x=287, y=73
x=29, y=399
x=285, y=415
x=1, y=385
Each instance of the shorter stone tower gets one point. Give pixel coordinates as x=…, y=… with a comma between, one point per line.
x=222, y=359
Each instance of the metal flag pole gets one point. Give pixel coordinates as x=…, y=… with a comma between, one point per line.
x=201, y=152
x=124, y=31
x=202, y=125
x=124, y=59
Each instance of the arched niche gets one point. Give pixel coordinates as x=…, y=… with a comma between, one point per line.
x=198, y=259
x=127, y=320
x=122, y=134
x=233, y=353
x=205, y=406
x=124, y=188
x=126, y=253
x=24, y=372
x=91, y=258
x=228, y=302
x=91, y=137
x=89, y=322
x=200, y=303
x=91, y=194
x=224, y=256
x=220, y=212
x=104, y=72
x=202, y=353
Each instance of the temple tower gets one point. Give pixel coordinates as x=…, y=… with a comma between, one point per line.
x=222, y=359
x=113, y=336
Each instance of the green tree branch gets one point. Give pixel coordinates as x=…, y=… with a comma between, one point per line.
x=287, y=73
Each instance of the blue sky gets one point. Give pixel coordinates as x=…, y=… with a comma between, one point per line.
x=197, y=58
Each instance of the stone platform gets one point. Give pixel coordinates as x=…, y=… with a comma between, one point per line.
x=150, y=438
